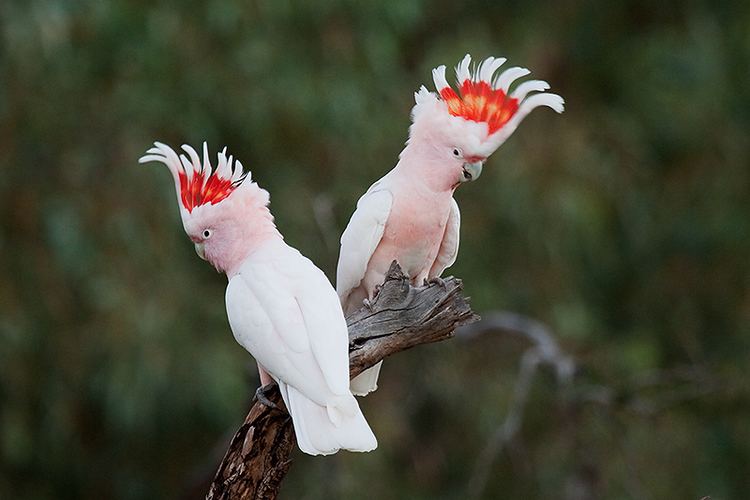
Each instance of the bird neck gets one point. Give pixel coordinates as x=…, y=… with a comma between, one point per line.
x=256, y=231
x=420, y=164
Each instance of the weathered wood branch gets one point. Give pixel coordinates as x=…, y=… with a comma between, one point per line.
x=400, y=317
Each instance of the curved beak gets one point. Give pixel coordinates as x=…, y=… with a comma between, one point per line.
x=199, y=251
x=472, y=171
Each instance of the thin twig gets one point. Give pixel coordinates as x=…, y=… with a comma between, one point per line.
x=544, y=350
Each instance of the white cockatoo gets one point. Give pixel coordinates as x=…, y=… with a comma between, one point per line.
x=410, y=215
x=281, y=307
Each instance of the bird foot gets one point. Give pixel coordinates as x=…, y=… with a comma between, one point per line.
x=260, y=395
x=437, y=280
x=367, y=304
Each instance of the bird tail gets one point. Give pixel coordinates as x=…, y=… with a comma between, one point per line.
x=367, y=381
x=323, y=430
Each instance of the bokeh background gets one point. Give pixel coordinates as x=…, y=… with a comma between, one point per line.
x=622, y=225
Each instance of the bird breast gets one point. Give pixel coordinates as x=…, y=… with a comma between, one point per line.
x=414, y=232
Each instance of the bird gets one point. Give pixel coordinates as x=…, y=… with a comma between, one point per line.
x=282, y=308
x=409, y=215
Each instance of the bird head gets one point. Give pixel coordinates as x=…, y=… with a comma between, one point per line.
x=223, y=212
x=460, y=130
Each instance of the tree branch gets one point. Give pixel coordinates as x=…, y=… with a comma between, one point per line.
x=400, y=317
x=544, y=350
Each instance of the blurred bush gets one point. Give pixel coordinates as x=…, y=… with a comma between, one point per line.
x=623, y=224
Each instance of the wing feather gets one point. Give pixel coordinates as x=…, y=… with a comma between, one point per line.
x=280, y=304
x=286, y=313
x=449, y=246
x=326, y=329
x=361, y=237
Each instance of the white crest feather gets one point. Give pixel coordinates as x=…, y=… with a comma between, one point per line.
x=529, y=95
x=438, y=76
x=508, y=76
x=462, y=70
x=488, y=68
x=524, y=88
x=190, y=166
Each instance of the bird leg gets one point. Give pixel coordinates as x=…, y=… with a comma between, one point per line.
x=266, y=382
x=265, y=377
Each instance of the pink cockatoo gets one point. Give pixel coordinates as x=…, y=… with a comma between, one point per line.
x=281, y=308
x=410, y=215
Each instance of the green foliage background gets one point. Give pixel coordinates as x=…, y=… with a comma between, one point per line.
x=622, y=224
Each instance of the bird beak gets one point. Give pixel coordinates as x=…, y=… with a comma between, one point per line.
x=199, y=250
x=472, y=171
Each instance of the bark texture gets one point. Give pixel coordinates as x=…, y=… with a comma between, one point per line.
x=400, y=317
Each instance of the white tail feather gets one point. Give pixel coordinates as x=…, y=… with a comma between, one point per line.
x=367, y=381
x=324, y=430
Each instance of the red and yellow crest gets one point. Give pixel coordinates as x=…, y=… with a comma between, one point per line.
x=485, y=98
x=197, y=183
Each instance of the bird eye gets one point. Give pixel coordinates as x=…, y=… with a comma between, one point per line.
x=457, y=153
x=206, y=234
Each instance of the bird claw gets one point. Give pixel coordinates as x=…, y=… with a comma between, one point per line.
x=367, y=304
x=437, y=280
x=260, y=395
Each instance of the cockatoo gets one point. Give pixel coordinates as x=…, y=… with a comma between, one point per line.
x=409, y=215
x=281, y=307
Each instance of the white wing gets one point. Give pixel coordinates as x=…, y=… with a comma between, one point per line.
x=257, y=329
x=449, y=246
x=286, y=313
x=325, y=325
x=361, y=237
